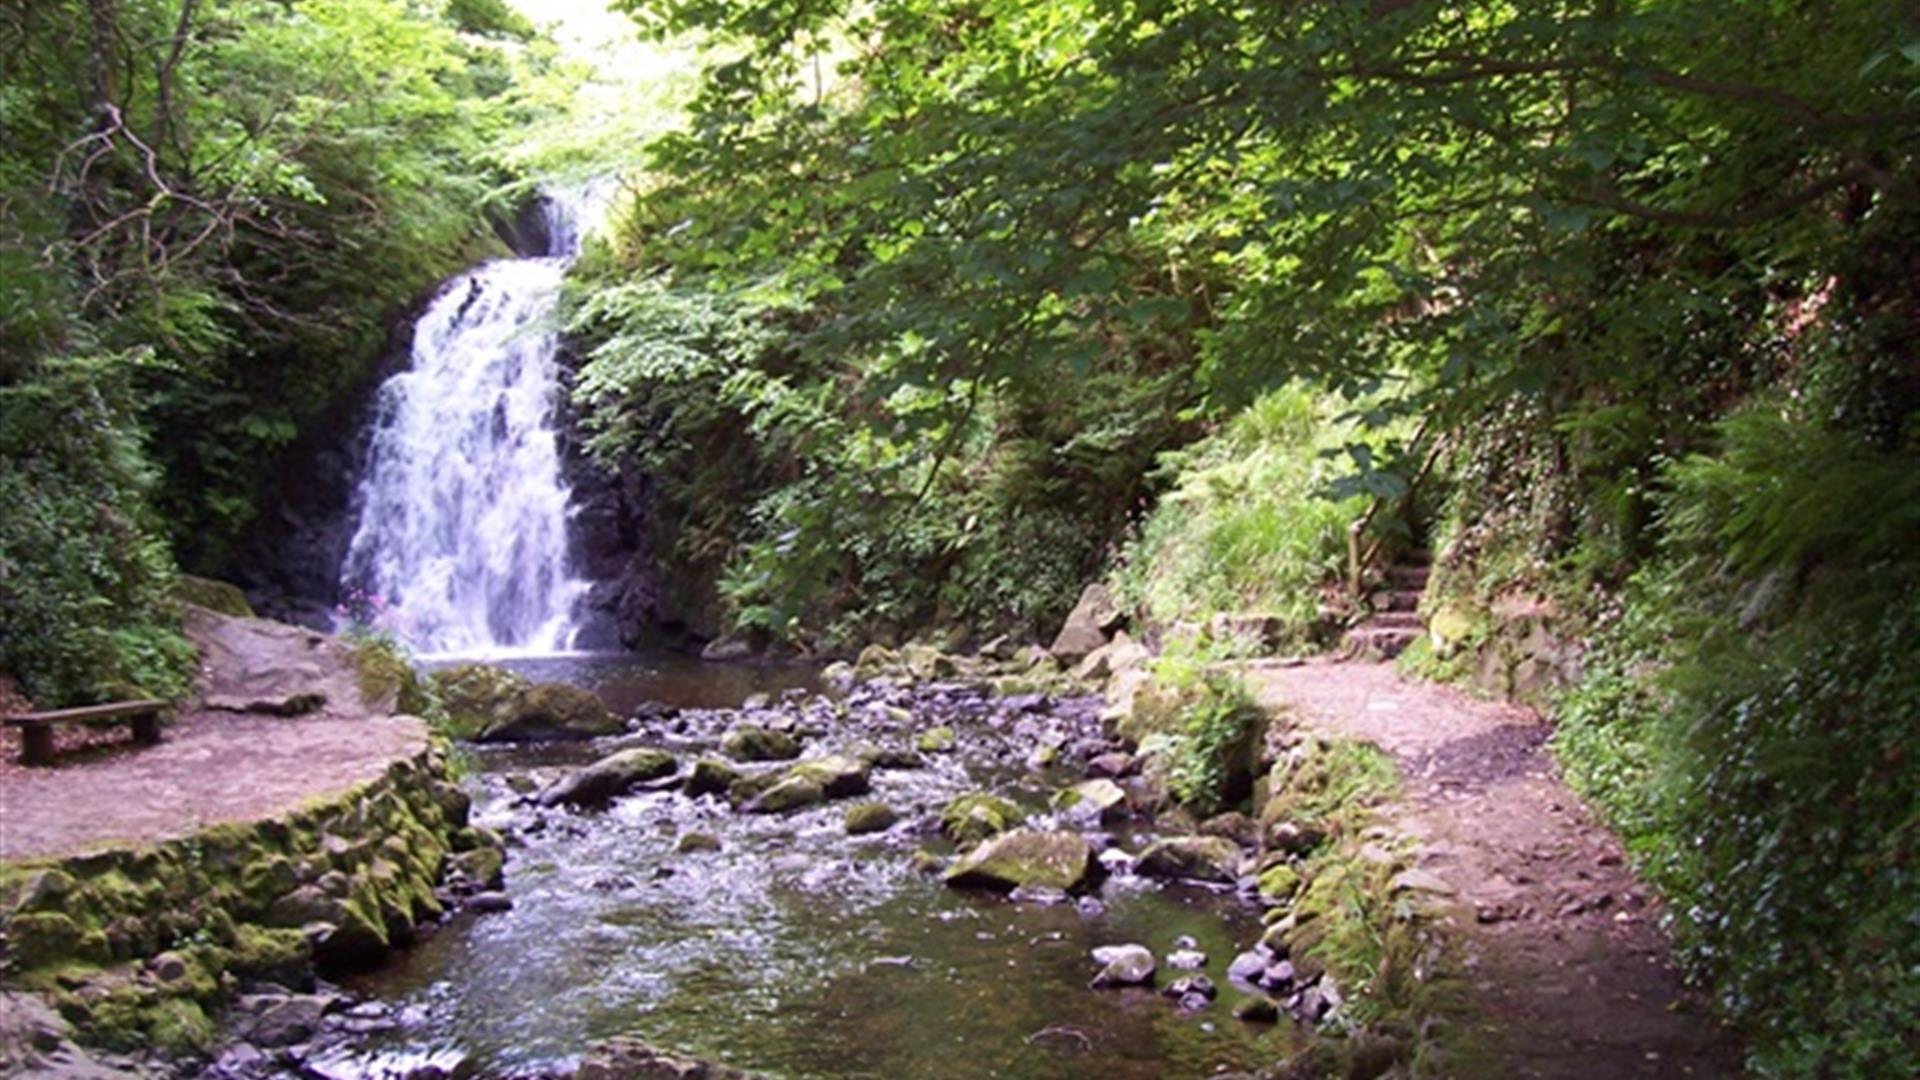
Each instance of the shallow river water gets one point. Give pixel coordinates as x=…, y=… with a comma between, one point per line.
x=794, y=950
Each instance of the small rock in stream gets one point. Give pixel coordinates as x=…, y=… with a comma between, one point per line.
x=1187, y=959
x=694, y=843
x=1192, y=984
x=869, y=817
x=489, y=903
x=1123, y=965
x=1247, y=967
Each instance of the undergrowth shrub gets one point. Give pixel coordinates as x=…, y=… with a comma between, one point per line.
x=1748, y=724
x=1246, y=525
x=1211, y=738
x=86, y=608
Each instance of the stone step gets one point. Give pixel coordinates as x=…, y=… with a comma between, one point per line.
x=1379, y=642
x=1397, y=600
x=1408, y=577
x=1399, y=620
x=1416, y=557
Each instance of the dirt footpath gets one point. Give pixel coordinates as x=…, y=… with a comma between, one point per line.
x=212, y=768
x=1567, y=972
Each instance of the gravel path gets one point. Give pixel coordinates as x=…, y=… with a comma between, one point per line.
x=1566, y=966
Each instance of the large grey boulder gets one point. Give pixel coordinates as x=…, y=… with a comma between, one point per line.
x=1087, y=626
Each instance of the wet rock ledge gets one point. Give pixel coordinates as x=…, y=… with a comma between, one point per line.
x=138, y=948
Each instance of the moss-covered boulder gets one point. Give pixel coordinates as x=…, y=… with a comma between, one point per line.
x=1026, y=859
x=786, y=795
x=971, y=818
x=1197, y=858
x=1100, y=798
x=869, y=817
x=750, y=742
x=710, y=776
x=476, y=697
x=609, y=778
x=213, y=595
x=554, y=712
x=1279, y=883
x=936, y=740
x=874, y=661
x=839, y=776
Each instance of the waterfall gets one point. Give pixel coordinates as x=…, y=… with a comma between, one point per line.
x=462, y=542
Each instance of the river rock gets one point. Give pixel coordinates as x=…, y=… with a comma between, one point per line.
x=1086, y=627
x=1188, y=959
x=1233, y=826
x=694, y=843
x=1197, y=858
x=625, y=1057
x=750, y=742
x=789, y=794
x=1112, y=764
x=610, y=777
x=1123, y=965
x=1026, y=857
x=489, y=903
x=839, y=776
x=971, y=818
x=1293, y=837
x=710, y=776
x=1247, y=967
x=1120, y=654
x=481, y=868
x=477, y=696
x=1192, y=984
x=553, y=712
x=869, y=817
x=936, y=740
x=1100, y=799
x=283, y=1021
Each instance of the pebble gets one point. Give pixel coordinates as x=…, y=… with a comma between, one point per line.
x=1187, y=959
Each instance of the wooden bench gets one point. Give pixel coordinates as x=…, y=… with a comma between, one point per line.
x=36, y=729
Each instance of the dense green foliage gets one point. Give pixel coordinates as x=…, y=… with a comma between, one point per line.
x=1747, y=727
x=1570, y=237
x=86, y=581
x=831, y=504
x=1245, y=526
x=237, y=193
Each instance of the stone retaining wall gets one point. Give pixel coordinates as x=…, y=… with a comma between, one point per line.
x=137, y=946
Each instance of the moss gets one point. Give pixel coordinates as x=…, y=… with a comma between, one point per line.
x=35, y=938
x=969, y=819
x=384, y=670
x=178, y=1025
x=476, y=697
x=198, y=898
x=274, y=955
x=213, y=595
x=1279, y=883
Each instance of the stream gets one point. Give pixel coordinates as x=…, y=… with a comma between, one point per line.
x=795, y=949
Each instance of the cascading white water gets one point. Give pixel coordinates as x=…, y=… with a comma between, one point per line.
x=462, y=544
